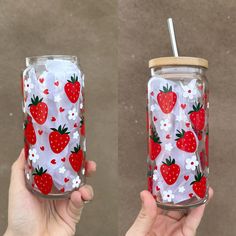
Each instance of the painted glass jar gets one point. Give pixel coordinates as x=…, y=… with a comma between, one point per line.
x=178, y=132
x=54, y=129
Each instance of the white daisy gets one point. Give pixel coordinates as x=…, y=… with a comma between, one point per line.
x=28, y=85
x=154, y=176
x=57, y=98
x=76, y=135
x=62, y=170
x=81, y=105
x=181, y=189
x=33, y=156
x=168, y=147
x=191, y=163
x=27, y=176
x=76, y=182
x=72, y=114
x=190, y=90
x=165, y=124
x=168, y=196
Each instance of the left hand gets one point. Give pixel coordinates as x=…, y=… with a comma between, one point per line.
x=30, y=215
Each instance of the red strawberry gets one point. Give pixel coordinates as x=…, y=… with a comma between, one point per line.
x=26, y=149
x=43, y=180
x=76, y=158
x=58, y=139
x=170, y=171
x=150, y=179
x=82, y=126
x=38, y=109
x=186, y=141
x=199, y=185
x=166, y=99
x=154, y=145
x=150, y=182
x=197, y=116
x=72, y=89
x=30, y=134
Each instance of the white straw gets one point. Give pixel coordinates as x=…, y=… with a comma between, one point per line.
x=172, y=37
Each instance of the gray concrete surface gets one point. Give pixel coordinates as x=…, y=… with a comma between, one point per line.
x=87, y=29
x=204, y=29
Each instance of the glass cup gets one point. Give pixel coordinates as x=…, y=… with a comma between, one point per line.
x=178, y=132
x=54, y=129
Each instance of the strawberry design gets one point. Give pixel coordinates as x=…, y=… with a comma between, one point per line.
x=26, y=149
x=186, y=141
x=199, y=185
x=150, y=179
x=170, y=171
x=72, y=89
x=154, y=145
x=197, y=117
x=167, y=99
x=43, y=180
x=59, y=139
x=29, y=131
x=82, y=126
x=76, y=158
x=38, y=110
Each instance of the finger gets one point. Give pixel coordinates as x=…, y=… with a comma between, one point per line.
x=194, y=217
x=146, y=216
x=86, y=193
x=17, y=173
x=90, y=167
x=75, y=206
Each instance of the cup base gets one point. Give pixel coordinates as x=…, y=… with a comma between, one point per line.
x=183, y=206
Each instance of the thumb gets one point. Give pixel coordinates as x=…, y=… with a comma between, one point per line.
x=146, y=216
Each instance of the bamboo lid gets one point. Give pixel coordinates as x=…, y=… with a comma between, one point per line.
x=178, y=61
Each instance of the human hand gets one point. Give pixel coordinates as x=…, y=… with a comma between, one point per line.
x=30, y=215
x=153, y=221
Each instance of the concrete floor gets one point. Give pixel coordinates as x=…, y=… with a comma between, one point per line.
x=89, y=29
x=86, y=29
x=204, y=29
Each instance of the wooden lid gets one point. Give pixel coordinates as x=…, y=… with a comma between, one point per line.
x=178, y=61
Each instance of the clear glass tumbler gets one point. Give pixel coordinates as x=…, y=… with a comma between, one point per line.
x=54, y=129
x=178, y=132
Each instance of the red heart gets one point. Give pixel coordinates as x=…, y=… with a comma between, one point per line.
x=183, y=106
x=66, y=180
x=75, y=125
x=187, y=124
x=62, y=190
x=53, y=119
x=40, y=132
x=152, y=93
x=168, y=136
x=157, y=188
x=56, y=83
x=186, y=177
x=41, y=80
x=155, y=168
x=42, y=148
x=53, y=161
x=63, y=159
x=46, y=91
x=154, y=118
x=30, y=167
x=191, y=195
x=33, y=185
x=61, y=109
